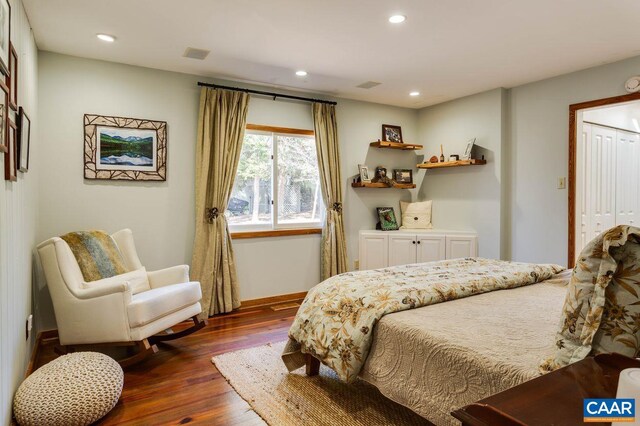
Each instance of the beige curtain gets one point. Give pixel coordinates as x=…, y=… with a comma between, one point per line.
x=334, y=250
x=221, y=125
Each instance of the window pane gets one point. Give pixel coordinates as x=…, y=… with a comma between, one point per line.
x=299, y=194
x=250, y=202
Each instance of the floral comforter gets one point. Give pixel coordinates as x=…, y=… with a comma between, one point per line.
x=336, y=319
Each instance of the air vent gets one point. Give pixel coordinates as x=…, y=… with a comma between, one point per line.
x=196, y=53
x=368, y=84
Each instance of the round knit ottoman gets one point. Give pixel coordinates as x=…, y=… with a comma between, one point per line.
x=75, y=389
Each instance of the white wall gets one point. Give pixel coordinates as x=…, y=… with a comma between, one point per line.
x=162, y=214
x=466, y=198
x=18, y=215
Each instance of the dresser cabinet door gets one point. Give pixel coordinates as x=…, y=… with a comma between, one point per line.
x=374, y=249
x=402, y=249
x=431, y=248
x=462, y=246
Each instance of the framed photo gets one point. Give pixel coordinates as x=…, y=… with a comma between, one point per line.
x=11, y=156
x=454, y=157
x=118, y=148
x=12, y=78
x=403, y=175
x=24, y=140
x=364, y=173
x=467, y=152
x=391, y=133
x=4, y=116
x=5, y=35
x=387, y=217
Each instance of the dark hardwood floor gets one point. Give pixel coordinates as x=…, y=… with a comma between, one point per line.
x=180, y=385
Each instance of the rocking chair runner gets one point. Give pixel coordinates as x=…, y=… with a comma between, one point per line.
x=108, y=313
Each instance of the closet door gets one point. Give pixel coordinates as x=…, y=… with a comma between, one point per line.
x=600, y=180
x=402, y=249
x=582, y=196
x=627, y=178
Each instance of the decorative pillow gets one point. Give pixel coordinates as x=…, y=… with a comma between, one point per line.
x=97, y=254
x=137, y=279
x=416, y=215
x=601, y=312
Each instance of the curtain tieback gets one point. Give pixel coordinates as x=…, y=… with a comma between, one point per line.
x=212, y=214
x=337, y=207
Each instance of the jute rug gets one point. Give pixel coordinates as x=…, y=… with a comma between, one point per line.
x=283, y=399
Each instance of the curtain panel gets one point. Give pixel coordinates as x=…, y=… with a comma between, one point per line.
x=333, y=250
x=221, y=125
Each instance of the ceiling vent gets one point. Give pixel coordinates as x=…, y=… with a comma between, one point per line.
x=196, y=53
x=368, y=84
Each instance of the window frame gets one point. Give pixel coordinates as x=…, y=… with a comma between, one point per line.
x=274, y=228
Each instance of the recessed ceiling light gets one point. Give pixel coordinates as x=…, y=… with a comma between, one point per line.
x=106, y=37
x=414, y=94
x=396, y=19
x=301, y=73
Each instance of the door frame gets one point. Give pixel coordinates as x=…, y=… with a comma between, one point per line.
x=573, y=137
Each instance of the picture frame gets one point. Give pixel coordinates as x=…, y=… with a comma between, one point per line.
x=5, y=35
x=391, y=133
x=24, y=140
x=469, y=149
x=454, y=157
x=387, y=219
x=11, y=156
x=364, y=173
x=4, y=116
x=119, y=148
x=12, y=78
x=403, y=175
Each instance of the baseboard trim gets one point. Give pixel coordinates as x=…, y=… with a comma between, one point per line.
x=272, y=300
x=43, y=335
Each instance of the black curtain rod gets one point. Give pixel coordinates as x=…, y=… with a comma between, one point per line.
x=260, y=92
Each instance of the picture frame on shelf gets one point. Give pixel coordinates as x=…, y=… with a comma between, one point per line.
x=403, y=175
x=5, y=35
x=391, y=133
x=4, y=112
x=364, y=173
x=24, y=140
x=468, y=151
x=12, y=78
x=454, y=157
x=11, y=156
x=387, y=219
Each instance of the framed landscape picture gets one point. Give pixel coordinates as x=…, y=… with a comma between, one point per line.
x=5, y=35
x=118, y=148
x=11, y=156
x=4, y=112
x=12, y=78
x=24, y=140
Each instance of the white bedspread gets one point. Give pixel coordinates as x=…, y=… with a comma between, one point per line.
x=439, y=358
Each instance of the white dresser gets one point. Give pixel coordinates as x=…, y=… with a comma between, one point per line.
x=379, y=249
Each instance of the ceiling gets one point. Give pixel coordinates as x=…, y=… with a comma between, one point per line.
x=445, y=49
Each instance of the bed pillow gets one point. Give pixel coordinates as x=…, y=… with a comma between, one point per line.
x=601, y=312
x=416, y=215
x=138, y=280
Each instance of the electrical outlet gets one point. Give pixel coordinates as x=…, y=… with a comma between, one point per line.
x=562, y=182
x=29, y=326
x=356, y=264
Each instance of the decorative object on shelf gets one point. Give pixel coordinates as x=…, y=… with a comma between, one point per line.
x=4, y=112
x=454, y=157
x=5, y=35
x=433, y=159
x=381, y=177
x=391, y=133
x=403, y=175
x=633, y=84
x=441, y=154
x=11, y=156
x=387, y=219
x=24, y=140
x=467, y=152
x=117, y=148
x=364, y=173
x=12, y=78
x=416, y=215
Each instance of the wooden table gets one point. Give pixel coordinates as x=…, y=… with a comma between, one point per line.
x=553, y=399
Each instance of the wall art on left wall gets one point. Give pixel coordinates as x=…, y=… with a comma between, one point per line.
x=118, y=148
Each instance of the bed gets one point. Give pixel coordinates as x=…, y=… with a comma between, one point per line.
x=437, y=358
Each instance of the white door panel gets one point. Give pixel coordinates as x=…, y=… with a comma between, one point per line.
x=402, y=249
x=627, y=178
x=430, y=248
x=374, y=250
x=461, y=246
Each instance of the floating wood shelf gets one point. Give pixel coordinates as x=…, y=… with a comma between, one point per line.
x=396, y=145
x=459, y=163
x=382, y=185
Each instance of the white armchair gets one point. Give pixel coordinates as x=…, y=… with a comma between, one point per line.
x=107, y=311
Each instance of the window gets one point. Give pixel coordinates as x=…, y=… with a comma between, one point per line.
x=277, y=184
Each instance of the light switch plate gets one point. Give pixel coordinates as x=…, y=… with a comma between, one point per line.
x=562, y=182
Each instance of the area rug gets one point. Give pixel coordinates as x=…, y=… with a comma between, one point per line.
x=282, y=398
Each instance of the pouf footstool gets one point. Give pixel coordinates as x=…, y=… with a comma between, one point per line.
x=75, y=389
